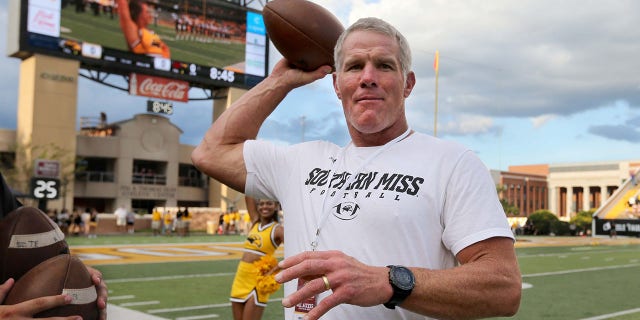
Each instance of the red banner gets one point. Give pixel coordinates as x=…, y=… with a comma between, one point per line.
x=156, y=87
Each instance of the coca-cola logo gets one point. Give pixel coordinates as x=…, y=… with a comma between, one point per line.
x=159, y=88
x=169, y=90
x=44, y=19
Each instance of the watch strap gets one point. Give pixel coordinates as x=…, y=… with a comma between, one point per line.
x=399, y=294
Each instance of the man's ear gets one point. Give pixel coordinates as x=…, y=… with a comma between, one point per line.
x=410, y=82
x=335, y=85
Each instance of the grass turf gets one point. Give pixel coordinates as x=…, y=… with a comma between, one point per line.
x=566, y=282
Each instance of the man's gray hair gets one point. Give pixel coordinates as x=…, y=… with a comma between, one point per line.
x=379, y=26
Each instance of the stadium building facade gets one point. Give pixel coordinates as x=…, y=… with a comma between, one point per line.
x=140, y=163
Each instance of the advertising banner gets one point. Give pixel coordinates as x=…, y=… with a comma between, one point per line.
x=623, y=227
x=156, y=87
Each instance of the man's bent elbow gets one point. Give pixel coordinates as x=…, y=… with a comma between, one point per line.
x=511, y=300
x=199, y=158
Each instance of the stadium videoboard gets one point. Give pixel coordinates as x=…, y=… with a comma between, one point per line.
x=208, y=43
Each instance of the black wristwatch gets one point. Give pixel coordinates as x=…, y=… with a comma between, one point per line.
x=402, y=281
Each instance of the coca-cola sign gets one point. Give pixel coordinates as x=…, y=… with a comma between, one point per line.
x=156, y=87
x=44, y=17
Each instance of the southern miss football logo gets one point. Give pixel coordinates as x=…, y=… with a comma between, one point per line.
x=346, y=210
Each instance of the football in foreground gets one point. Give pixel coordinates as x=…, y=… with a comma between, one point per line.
x=27, y=238
x=304, y=33
x=61, y=274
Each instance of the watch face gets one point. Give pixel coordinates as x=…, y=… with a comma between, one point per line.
x=403, y=278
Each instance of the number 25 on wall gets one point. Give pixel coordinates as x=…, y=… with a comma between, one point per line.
x=45, y=188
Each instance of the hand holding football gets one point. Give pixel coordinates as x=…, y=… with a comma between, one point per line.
x=61, y=274
x=303, y=32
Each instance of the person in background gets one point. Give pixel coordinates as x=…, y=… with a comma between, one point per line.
x=221, y=224
x=135, y=16
x=76, y=225
x=156, y=222
x=94, y=223
x=27, y=309
x=86, y=222
x=396, y=224
x=168, y=223
x=121, y=218
x=247, y=299
x=238, y=221
x=178, y=225
x=186, y=222
x=53, y=215
x=226, y=221
x=131, y=221
x=64, y=220
x=613, y=232
x=246, y=223
x=233, y=227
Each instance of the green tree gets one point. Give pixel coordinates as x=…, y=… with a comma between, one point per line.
x=583, y=219
x=542, y=221
x=509, y=209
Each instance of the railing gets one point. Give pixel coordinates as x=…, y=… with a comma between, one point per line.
x=139, y=178
x=95, y=176
x=146, y=178
x=192, y=182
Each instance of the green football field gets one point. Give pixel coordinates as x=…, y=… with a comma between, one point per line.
x=105, y=31
x=595, y=279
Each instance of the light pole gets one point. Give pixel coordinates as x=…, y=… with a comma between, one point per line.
x=302, y=120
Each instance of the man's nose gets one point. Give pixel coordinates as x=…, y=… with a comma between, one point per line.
x=369, y=76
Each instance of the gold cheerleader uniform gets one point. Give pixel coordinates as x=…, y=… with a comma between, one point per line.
x=150, y=44
x=261, y=241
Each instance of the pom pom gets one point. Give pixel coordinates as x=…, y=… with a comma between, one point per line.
x=267, y=268
x=267, y=284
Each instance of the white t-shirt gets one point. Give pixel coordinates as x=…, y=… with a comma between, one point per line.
x=120, y=213
x=417, y=204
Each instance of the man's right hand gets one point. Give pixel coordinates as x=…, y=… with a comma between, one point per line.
x=284, y=71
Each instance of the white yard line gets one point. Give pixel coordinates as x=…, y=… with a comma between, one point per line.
x=115, y=312
x=139, y=303
x=554, y=273
x=121, y=297
x=206, y=306
x=206, y=316
x=615, y=314
x=226, y=274
x=185, y=276
x=221, y=244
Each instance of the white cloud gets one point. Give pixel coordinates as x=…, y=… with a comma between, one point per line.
x=540, y=121
x=530, y=60
x=468, y=125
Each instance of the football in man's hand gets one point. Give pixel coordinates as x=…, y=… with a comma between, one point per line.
x=61, y=274
x=304, y=33
x=27, y=237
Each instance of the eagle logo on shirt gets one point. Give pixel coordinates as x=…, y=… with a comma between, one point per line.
x=255, y=240
x=346, y=210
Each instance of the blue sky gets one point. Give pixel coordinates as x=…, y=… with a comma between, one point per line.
x=521, y=82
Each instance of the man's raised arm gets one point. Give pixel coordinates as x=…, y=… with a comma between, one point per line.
x=219, y=154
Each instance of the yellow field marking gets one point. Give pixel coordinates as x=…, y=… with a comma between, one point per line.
x=157, y=253
x=171, y=252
